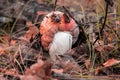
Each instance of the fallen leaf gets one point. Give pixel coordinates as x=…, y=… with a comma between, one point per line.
x=97, y=70
x=41, y=69
x=108, y=47
x=31, y=33
x=103, y=48
x=99, y=49
x=111, y=62
x=108, y=63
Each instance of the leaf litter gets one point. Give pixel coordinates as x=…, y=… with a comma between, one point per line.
x=23, y=58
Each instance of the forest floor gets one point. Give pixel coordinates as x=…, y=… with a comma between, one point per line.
x=95, y=57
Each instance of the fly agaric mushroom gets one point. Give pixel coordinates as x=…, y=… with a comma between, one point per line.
x=59, y=32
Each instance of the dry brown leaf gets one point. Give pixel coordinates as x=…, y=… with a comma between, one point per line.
x=108, y=63
x=97, y=70
x=108, y=47
x=99, y=49
x=31, y=33
x=103, y=48
x=41, y=69
x=111, y=62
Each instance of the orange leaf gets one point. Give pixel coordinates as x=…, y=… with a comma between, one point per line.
x=111, y=62
x=108, y=63
x=97, y=70
x=13, y=42
x=31, y=32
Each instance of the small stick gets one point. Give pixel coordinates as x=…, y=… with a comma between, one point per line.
x=70, y=14
x=54, y=8
x=103, y=25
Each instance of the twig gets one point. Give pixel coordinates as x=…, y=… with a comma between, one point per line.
x=54, y=8
x=103, y=25
x=62, y=76
x=66, y=10
x=109, y=2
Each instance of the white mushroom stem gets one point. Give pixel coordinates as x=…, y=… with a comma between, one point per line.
x=61, y=43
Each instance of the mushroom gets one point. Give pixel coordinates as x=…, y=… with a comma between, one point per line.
x=59, y=31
